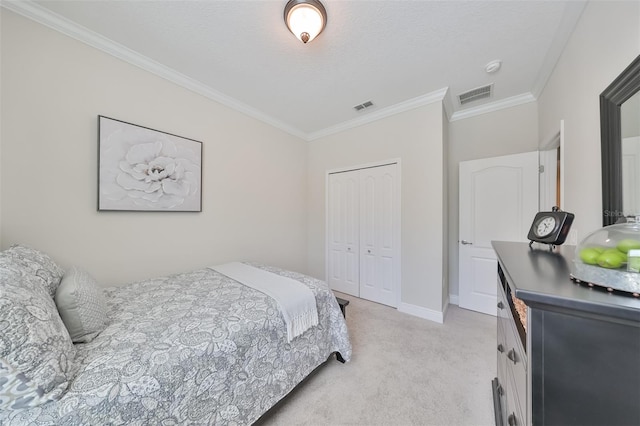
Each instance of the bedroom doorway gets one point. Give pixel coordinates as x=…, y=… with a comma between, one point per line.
x=363, y=232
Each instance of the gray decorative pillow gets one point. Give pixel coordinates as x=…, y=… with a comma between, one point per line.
x=36, y=263
x=36, y=352
x=81, y=304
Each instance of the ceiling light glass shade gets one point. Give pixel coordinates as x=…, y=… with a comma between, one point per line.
x=305, y=18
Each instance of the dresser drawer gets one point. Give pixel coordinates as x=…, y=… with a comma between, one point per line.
x=516, y=359
x=515, y=408
x=512, y=362
x=502, y=350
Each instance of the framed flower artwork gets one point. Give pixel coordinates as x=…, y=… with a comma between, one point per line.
x=142, y=169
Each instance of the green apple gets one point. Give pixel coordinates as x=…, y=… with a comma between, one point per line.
x=616, y=252
x=611, y=259
x=589, y=255
x=628, y=244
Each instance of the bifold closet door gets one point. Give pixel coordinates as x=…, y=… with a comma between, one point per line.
x=364, y=233
x=344, y=232
x=379, y=234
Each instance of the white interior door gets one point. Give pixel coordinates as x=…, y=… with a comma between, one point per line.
x=344, y=232
x=498, y=201
x=379, y=234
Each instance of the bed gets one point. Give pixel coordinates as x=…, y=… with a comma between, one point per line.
x=192, y=348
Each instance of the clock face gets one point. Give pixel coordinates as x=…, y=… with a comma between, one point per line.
x=545, y=226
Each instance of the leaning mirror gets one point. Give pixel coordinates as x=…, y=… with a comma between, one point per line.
x=620, y=119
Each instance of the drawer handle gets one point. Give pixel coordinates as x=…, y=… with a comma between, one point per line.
x=512, y=356
x=512, y=420
x=500, y=305
x=500, y=348
x=500, y=390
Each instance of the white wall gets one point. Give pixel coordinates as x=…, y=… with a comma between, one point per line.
x=503, y=132
x=416, y=137
x=605, y=41
x=53, y=88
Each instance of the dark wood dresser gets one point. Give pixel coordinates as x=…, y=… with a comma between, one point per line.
x=572, y=354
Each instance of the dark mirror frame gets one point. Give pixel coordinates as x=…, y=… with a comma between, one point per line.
x=622, y=88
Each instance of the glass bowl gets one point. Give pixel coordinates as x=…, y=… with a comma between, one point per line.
x=610, y=257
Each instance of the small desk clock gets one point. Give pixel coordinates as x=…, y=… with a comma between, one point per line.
x=550, y=227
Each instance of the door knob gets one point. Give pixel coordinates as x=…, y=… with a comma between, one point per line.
x=466, y=243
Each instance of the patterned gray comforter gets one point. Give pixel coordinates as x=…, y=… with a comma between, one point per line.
x=194, y=348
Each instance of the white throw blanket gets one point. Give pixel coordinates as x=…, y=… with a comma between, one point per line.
x=296, y=301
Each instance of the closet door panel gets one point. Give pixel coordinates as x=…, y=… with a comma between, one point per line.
x=351, y=232
x=367, y=235
x=336, y=264
x=387, y=248
x=344, y=233
x=378, y=248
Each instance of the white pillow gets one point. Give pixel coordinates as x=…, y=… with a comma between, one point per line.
x=37, y=263
x=81, y=305
x=36, y=353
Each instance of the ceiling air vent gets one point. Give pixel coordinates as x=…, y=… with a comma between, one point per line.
x=363, y=106
x=475, y=94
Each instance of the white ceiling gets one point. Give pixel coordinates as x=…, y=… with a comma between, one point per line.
x=398, y=54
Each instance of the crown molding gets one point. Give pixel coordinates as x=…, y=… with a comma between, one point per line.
x=429, y=98
x=493, y=106
x=54, y=21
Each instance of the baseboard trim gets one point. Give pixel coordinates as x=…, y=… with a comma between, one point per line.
x=419, y=311
x=453, y=299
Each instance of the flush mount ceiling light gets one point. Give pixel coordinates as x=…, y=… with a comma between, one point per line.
x=305, y=18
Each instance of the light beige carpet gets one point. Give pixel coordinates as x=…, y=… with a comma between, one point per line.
x=404, y=371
